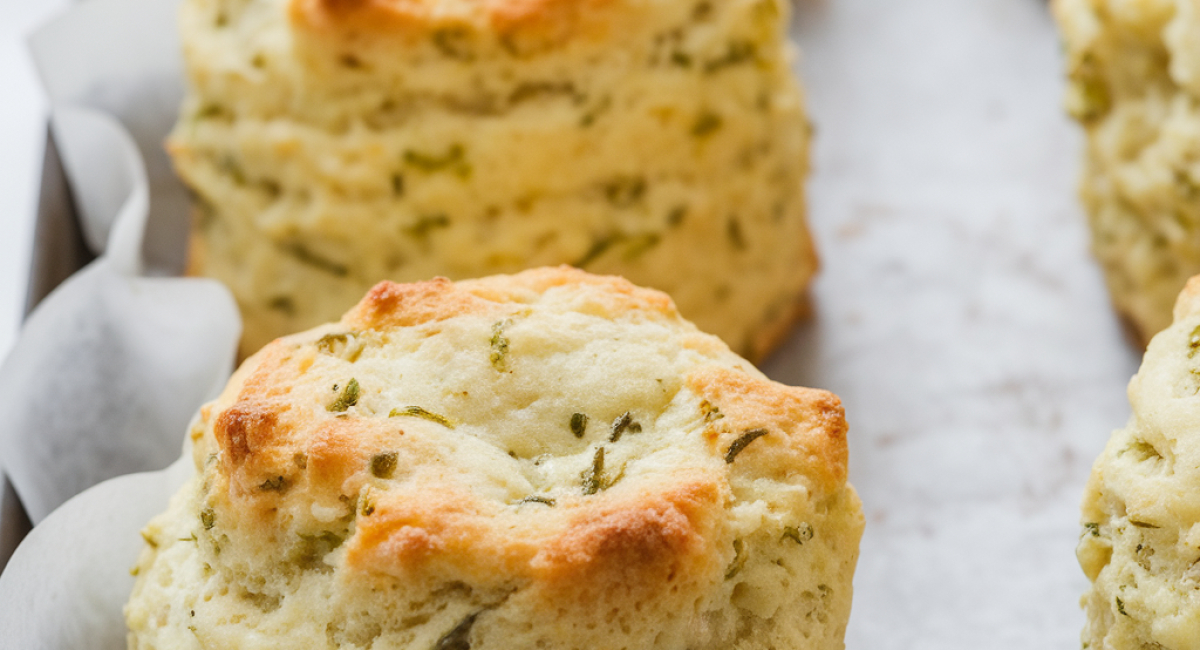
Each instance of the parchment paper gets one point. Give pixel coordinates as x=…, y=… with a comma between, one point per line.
x=959, y=316
x=109, y=368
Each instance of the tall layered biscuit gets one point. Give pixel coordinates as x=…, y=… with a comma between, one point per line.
x=1134, y=69
x=547, y=460
x=1140, y=544
x=334, y=143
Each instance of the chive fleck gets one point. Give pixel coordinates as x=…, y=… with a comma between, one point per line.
x=306, y=256
x=327, y=343
x=276, y=484
x=1121, y=606
x=593, y=477
x=736, y=53
x=1093, y=528
x=383, y=465
x=625, y=191
x=208, y=518
x=499, y=343
x=1194, y=342
x=454, y=161
x=578, y=424
x=458, y=638
x=706, y=124
x=741, y=443
x=418, y=412
x=283, y=304
x=1143, y=524
x=533, y=498
x=733, y=229
x=425, y=225
x=798, y=534
x=739, y=559
x=622, y=424
x=348, y=398
x=710, y=411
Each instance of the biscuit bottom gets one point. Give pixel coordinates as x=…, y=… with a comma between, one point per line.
x=546, y=460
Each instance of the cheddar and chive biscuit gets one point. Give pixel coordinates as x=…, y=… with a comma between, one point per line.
x=334, y=143
x=546, y=460
x=1134, y=71
x=1140, y=544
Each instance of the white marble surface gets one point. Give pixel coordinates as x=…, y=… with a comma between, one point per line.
x=959, y=315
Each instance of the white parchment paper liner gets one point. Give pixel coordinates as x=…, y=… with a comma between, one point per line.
x=111, y=366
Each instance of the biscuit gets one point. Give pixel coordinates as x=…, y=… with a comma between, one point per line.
x=1134, y=70
x=1140, y=544
x=549, y=460
x=332, y=144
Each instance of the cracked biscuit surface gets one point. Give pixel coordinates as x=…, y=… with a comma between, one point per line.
x=1140, y=543
x=334, y=143
x=551, y=459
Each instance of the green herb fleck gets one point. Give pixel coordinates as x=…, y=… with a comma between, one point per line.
x=150, y=541
x=578, y=424
x=418, y=412
x=499, y=344
x=598, y=248
x=710, y=411
x=625, y=191
x=1088, y=96
x=533, y=498
x=284, y=304
x=676, y=215
x=300, y=459
x=640, y=244
x=741, y=443
x=368, y=504
x=1194, y=342
x=706, y=124
x=397, y=184
x=681, y=59
x=426, y=224
x=623, y=423
x=733, y=229
x=348, y=398
x=593, y=477
x=1093, y=528
x=1142, y=524
x=383, y=465
x=276, y=484
x=458, y=638
x=208, y=518
x=189, y=538
x=533, y=90
x=1121, y=606
x=313, y=548
x=739, y=559
x=326, y=343
x=589, y=118
x=453, y=43
x=798, y=534
x=454, y=161
x=736, y=53
x=306, y=256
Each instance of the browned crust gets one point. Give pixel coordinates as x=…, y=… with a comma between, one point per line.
x=806, y=426
x=631, y=540
x=550, y=21
x=389, y=305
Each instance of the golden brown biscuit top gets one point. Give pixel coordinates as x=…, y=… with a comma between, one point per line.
x=550, y=427
x=551, y=21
